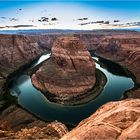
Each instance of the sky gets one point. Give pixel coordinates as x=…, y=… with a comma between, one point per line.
x=68, y=14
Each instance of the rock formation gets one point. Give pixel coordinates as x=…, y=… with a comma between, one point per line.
x=16, y=123
x=70, y=72
x=18, y=50
x=133, y=93
x=124, y=49
x=114, y=120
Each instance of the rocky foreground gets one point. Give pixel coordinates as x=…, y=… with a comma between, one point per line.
x=69, y=74
x=114, y=120
x=16, y=123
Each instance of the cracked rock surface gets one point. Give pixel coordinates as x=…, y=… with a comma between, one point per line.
x=114, y=120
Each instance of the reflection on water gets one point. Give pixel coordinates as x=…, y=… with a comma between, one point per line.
x=42, y=58
x=33, y=100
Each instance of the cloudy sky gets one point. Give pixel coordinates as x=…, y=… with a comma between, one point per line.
x=68, y=14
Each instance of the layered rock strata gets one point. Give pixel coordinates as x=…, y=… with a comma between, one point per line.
x=123, y=49
x=18, y=50
x=69, y=73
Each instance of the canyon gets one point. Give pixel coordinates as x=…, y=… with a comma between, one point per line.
x=122, y=47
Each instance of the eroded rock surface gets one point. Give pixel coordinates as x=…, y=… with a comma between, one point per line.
x=16, y=123
x=18, y=50
x=69, y=73
x=124, y=49
x=134, y=93
x=114, y=120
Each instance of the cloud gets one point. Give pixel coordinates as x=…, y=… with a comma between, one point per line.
x=17, y=26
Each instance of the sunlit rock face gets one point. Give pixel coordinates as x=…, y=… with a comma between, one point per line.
x=69, y=73
x=115, y=120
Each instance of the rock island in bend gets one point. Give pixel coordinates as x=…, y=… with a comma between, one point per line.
x=69, y=74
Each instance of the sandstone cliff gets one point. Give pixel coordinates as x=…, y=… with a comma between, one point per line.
x=18, y=50
x=124, y=49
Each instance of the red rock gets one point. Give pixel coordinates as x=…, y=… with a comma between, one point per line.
x=124, y=49
x=69, y=73
x=114, y=120
x=18, y=50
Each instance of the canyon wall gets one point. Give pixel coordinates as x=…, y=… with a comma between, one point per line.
x=122, y=47
x=18, y=50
